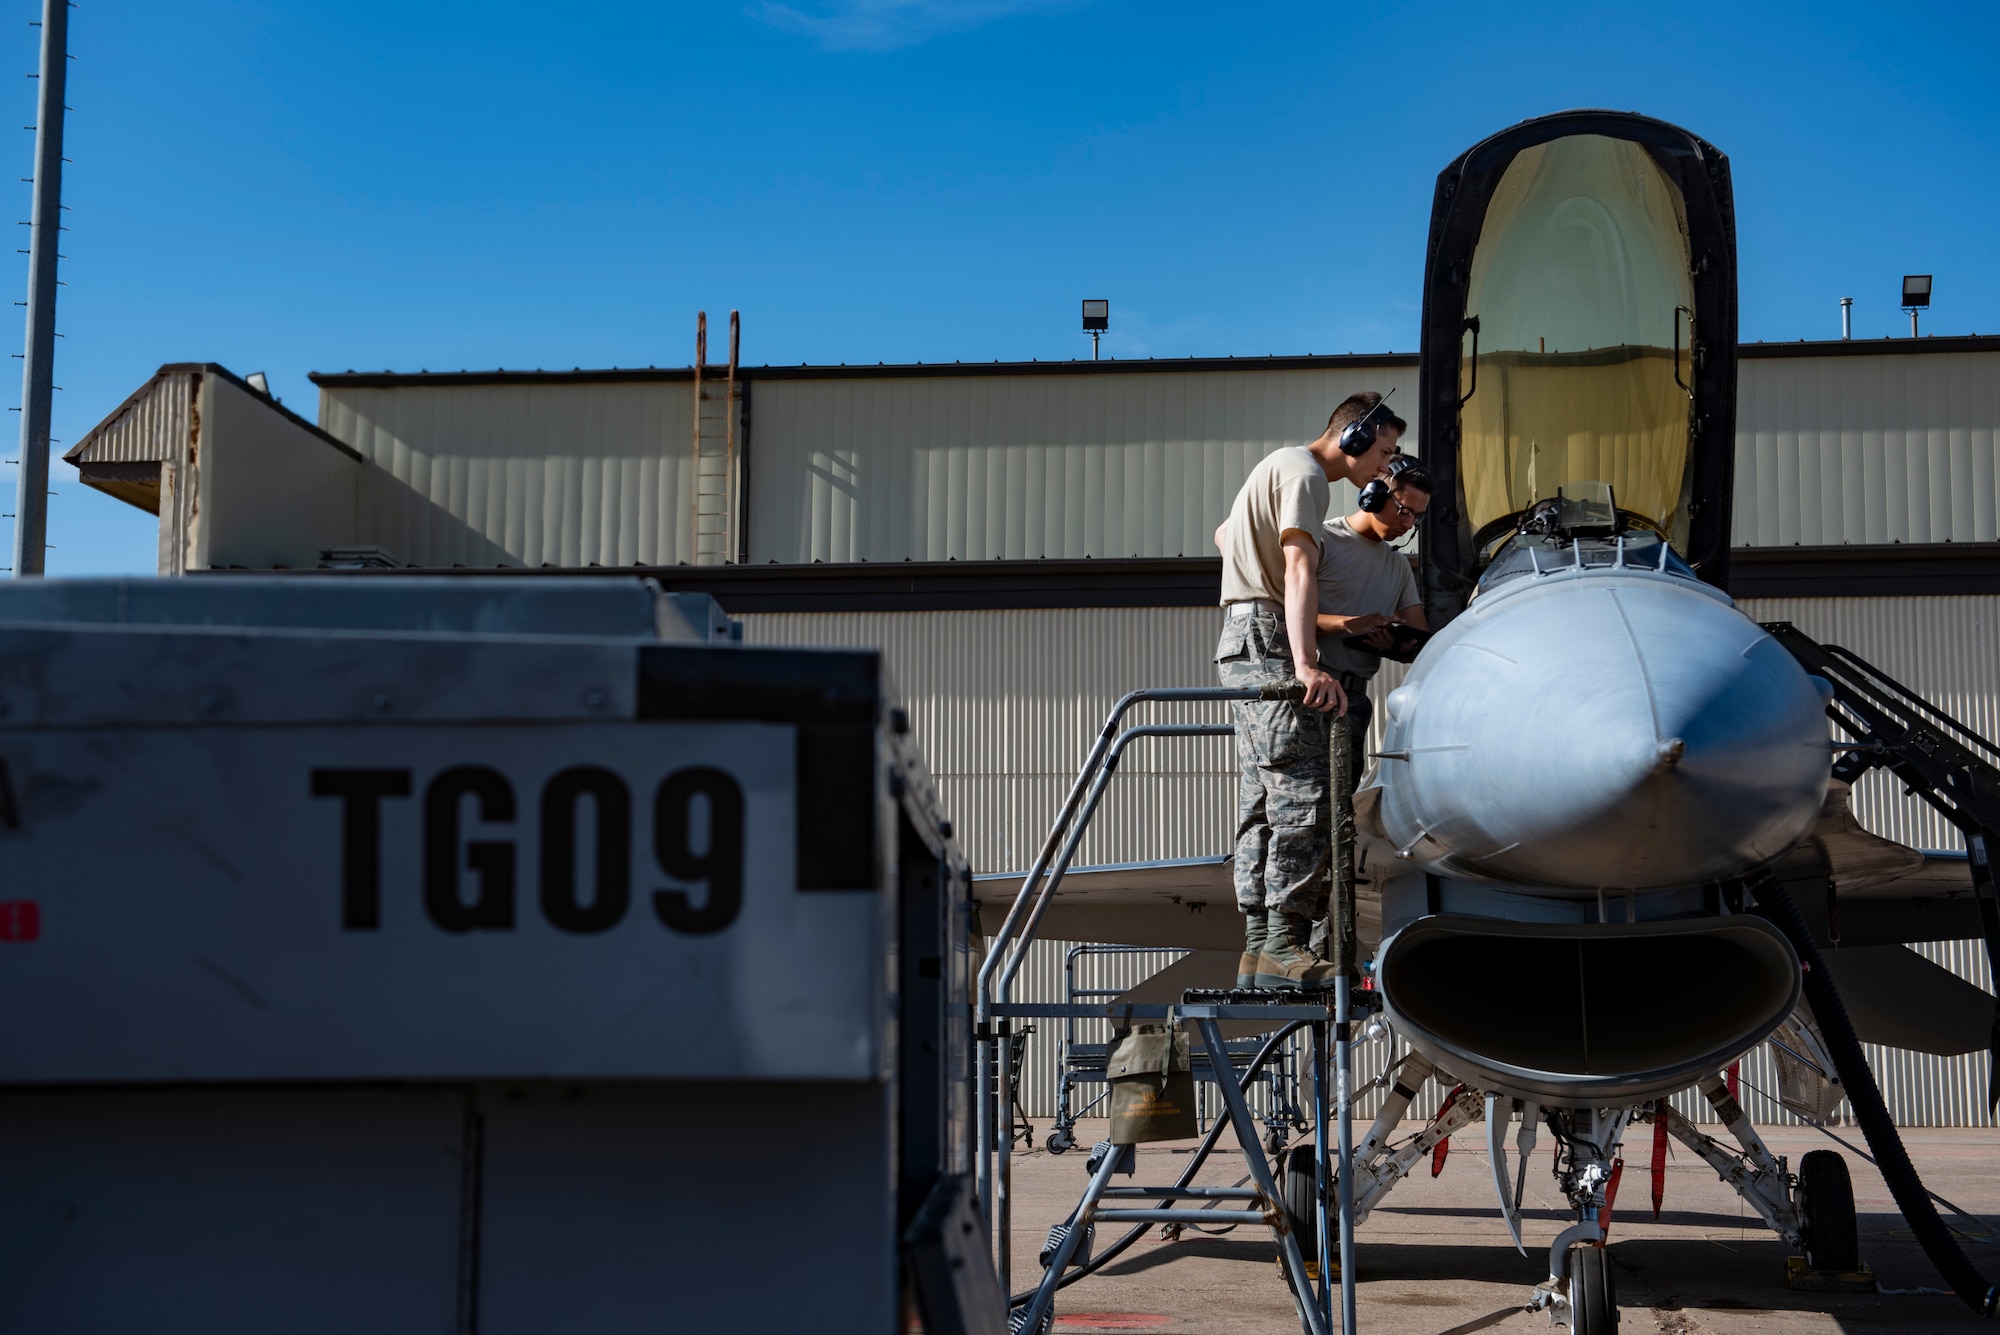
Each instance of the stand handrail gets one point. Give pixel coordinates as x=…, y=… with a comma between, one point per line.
x=1106, y=772
x=1105, y=736
x=983, y=995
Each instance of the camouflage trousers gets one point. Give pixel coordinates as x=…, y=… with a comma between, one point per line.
x=1283, y=821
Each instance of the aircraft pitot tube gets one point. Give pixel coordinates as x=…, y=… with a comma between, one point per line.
x=1570, y=770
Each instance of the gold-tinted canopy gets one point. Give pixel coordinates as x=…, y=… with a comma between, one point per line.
x=1582, y=288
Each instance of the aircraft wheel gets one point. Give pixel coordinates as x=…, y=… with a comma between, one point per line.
x=1301, y=1192
x=1593, y=1296
x=1826, y=1208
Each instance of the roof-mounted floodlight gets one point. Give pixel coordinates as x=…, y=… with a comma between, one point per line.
x=1096, y=319
x=1916, y=296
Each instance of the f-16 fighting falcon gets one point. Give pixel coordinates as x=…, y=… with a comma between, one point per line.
x=1606, y=822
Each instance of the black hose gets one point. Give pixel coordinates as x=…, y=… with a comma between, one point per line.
x=1118, y=1248
x=1870, y=1111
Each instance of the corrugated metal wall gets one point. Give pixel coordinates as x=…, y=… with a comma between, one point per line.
x=1830, y=450
x=1947, y=649
x=1025, y=466
x=1005, y=704
x=523, y=474
x=154, y=427
x=1867, y=449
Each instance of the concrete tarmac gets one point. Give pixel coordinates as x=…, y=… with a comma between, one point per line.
x=1435, y=1258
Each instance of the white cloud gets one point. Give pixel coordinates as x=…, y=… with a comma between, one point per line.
x=883, y=25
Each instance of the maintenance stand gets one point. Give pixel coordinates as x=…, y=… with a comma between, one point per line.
x=469, y=955
x=1322, y=1211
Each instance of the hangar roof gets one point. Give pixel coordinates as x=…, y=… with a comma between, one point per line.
x=385, y=379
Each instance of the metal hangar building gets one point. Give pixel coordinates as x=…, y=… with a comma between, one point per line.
x=1028, y=541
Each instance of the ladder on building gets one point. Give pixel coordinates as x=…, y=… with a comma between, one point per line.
x=717, y=413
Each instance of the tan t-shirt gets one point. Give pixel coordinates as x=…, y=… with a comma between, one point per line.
x=1286, y=490
x=1358, y=576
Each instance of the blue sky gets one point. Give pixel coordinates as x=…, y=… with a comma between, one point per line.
x=295, y=187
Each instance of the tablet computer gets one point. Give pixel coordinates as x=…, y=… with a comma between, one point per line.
x=1404, y=643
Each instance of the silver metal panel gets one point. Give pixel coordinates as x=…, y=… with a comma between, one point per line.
x=1024, y=466
x=499, y=475
x=1860, y=449
x=626, y=1208
x=110, y=677
x=234, y=1212
x=1695, y=748
x=434, y=605
x=197, y=919
x=197, y=896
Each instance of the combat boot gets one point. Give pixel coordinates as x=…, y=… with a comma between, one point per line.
x=1253, y=946
x=1288, y=960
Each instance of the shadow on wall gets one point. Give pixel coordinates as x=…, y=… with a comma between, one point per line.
x=512, y=524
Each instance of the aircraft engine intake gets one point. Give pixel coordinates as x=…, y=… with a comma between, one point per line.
x=1586, y=1014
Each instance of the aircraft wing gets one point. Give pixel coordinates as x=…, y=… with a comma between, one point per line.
x=1855, y=859
x=1883, y=892
x=1189, y=902
x=1880, y=897
x=1897, y=997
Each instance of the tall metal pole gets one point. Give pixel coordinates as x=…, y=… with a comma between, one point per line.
x=1343, y=1058
x=1347, y=966
x=31, y=483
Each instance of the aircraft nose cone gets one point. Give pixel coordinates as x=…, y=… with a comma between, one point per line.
x=1610, y=732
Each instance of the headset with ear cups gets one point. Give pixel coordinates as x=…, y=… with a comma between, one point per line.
x=1375, y=496
x=1358, y=437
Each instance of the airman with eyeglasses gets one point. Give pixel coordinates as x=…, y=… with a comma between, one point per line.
x=1366, y=589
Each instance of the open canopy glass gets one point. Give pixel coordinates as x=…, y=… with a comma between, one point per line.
x=1581, y=290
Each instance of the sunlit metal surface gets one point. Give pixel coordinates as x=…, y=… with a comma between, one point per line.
x=1601, y=728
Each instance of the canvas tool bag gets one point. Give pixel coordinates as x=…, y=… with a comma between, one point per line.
x=1152, y=1085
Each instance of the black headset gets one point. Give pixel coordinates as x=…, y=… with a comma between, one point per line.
x=1375, y=496
x=1358, y=437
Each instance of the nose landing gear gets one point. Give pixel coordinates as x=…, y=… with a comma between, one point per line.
x=1827, y=1232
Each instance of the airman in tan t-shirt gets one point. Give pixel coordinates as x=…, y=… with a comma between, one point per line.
x=1270, y=589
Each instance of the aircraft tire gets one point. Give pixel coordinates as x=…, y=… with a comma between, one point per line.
x=1593, y=1295
x=1829, y=1236
x=1299, y=1189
